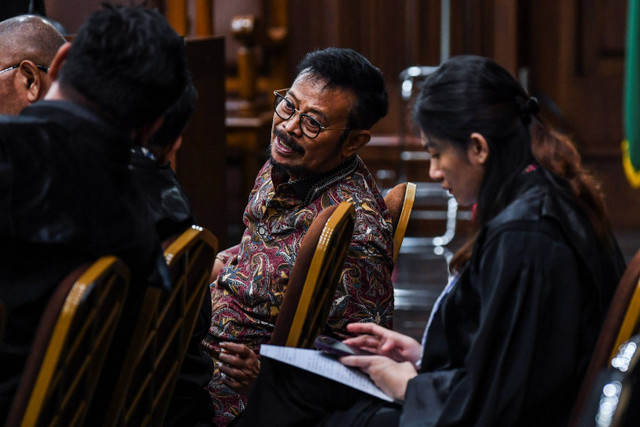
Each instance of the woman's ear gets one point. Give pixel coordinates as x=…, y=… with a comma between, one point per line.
x=478, y=151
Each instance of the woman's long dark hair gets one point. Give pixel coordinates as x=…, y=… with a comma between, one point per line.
x=469, y=94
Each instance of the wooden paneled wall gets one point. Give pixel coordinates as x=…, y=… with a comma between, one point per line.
x=571, y=52
x=201, y=160
x=395, y=34
x=574, y=50
x=71, y=14
x=579, y=64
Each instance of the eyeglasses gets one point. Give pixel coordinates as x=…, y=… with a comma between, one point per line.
x=309, y=126
x=13, y=67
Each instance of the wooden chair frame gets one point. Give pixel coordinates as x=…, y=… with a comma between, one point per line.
x=402, y=221
x=622, y=321
x=630, y=322
x=614, y=398
x=63, y=381
x=161, y=336
x=311, y=308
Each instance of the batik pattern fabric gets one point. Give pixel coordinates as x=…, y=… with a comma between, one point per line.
x=250, y=288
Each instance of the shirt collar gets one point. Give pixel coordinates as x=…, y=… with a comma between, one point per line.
x=306, y=188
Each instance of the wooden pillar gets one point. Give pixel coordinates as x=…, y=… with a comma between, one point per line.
x=244, y=29
x=204, y=18
x=505, y=34
x=247, y=76
x=200, y=166
x=278, y=33
x=177, y=16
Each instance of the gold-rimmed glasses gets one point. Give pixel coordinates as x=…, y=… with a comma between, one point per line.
x=285, y=109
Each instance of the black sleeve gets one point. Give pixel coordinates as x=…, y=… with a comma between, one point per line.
x=521, y=344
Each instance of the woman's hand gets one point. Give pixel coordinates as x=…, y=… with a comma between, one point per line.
x=239, y=365
x=385, y=342
x=392, y=377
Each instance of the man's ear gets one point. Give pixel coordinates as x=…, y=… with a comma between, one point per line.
x=58, y=60
x=169, y=152
x=478, y=151
x=32, y=81
x=355, y=141
x=141, y=135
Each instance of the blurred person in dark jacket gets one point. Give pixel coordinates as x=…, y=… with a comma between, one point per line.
x=67, y=195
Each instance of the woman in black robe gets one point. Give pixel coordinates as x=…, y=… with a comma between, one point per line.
x=511, y=335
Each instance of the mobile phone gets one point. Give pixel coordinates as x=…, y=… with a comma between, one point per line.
x=335, y=347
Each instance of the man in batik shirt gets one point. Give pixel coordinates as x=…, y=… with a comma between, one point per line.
x=319, y=124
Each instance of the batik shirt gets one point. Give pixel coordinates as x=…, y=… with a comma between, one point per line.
x=250, y=287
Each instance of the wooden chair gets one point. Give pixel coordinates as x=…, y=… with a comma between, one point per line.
x=620, y=324
x=161, y=336
x=315, y=276
x=400, y=200
x=71, y=342
x=615, y=399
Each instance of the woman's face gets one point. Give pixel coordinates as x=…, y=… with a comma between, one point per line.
x=459, y=170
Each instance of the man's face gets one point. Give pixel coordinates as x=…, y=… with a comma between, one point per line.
x=296, y=152
x=12, y=99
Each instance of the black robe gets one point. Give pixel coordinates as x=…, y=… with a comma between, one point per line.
x=168, y=203
x=511, y=341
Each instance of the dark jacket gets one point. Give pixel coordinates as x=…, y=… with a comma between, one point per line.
x=510, y=342
x=66, y=198
x=171, y=211
x=168, y=203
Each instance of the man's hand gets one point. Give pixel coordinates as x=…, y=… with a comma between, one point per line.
x=378, y=340
x=239, y=365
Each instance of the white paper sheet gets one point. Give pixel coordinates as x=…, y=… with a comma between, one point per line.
x=326, y=366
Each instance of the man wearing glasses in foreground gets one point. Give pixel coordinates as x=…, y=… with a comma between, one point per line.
x=319, y=124
x=28, y=43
